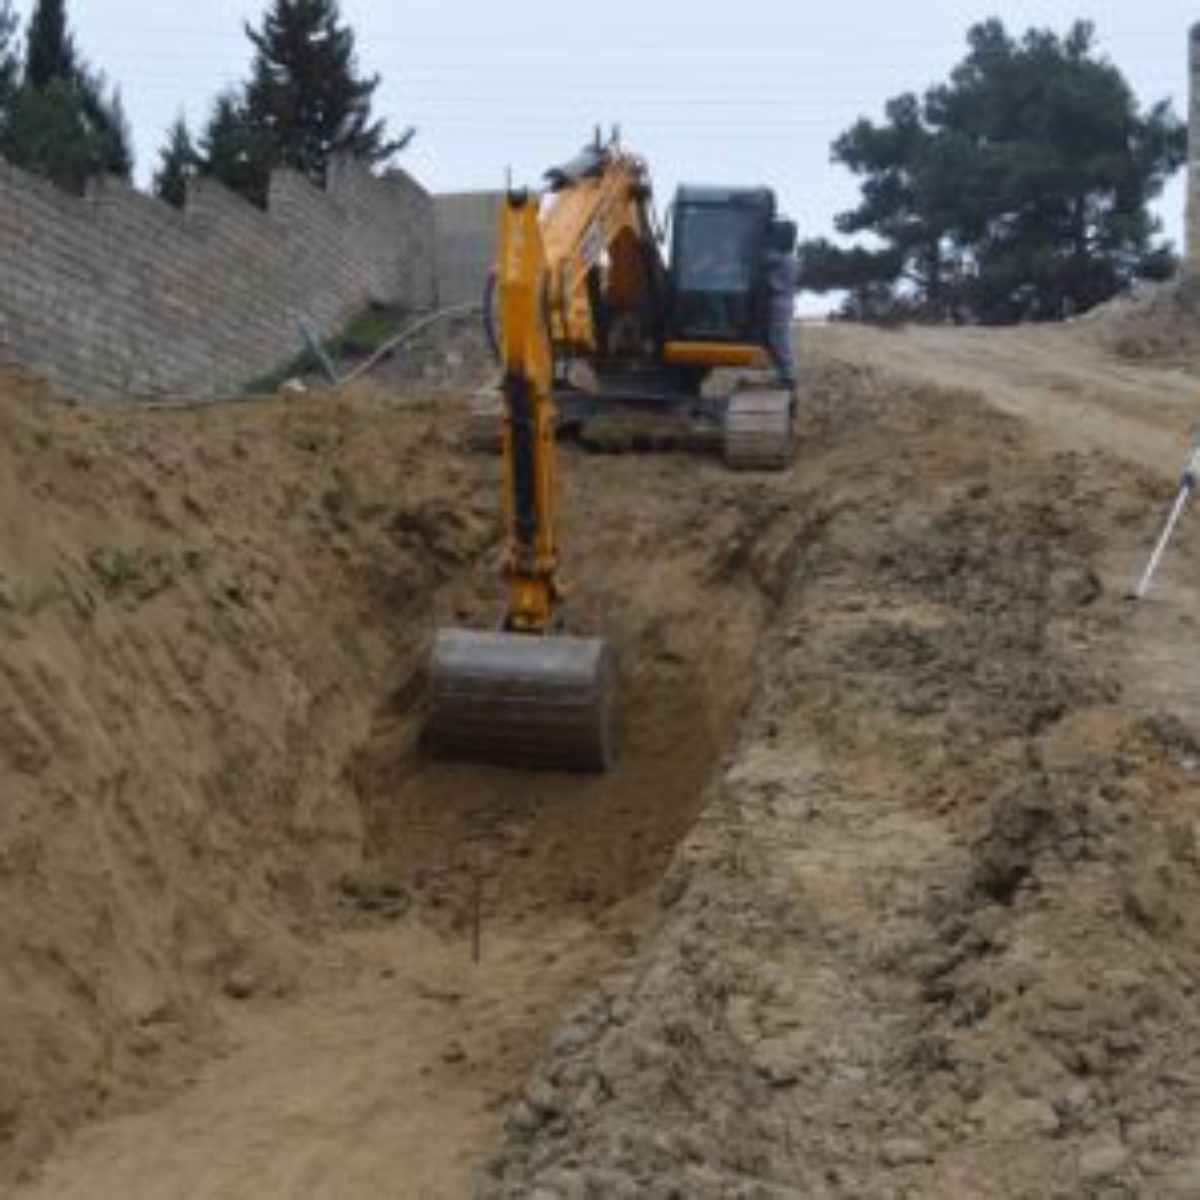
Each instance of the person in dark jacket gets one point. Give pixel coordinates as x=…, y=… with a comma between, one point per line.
x=780, y=273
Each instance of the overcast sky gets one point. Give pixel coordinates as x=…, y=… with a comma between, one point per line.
x=755, y=96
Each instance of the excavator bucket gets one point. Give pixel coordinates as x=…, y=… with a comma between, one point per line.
x=523, y=700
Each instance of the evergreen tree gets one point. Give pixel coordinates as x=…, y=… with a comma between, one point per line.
x=44, y=134
x=235, y=151
x=305, y=102
x=49, y=49
x=178, y=160
x=305, y=93
x=104, y=117
x=1018, y=190
x=10, y=66
x=62, y=120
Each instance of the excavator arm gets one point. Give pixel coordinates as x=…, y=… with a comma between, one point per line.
x=526, y=694
x=530, y=455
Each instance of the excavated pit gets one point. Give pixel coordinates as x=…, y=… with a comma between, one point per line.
x=230, y=612
x=681, y=573
x=893, y=890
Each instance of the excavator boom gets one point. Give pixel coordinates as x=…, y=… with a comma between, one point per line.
x=603, y=261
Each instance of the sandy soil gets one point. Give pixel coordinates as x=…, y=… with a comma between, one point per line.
x=1056, y=378
x=895, y=893
x=935, y=935
x=224, y=836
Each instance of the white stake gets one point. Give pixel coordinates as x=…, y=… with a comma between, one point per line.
x=1187, y=485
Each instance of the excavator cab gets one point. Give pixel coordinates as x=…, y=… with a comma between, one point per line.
x=718, y=243
x=717, y=314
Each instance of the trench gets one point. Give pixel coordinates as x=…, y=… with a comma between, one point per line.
x=952, y=859
x=681, y=572
x=542, y=885
x=488, y=900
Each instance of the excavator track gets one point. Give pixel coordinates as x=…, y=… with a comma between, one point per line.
x=758, y=432
x=523, y=700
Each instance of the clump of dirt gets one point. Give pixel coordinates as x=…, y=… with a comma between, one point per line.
x=935, y=934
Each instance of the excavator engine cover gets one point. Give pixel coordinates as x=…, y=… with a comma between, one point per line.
x=523, y=700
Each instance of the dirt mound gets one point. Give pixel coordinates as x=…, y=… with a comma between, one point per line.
x=1155, y=323
x=935, y=935
x=199, y=613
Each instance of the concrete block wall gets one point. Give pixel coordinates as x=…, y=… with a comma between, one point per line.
x=466, y=243
x=117, y=293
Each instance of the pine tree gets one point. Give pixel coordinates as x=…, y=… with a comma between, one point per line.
x=235, y=151
x=43, y=134
x=10, y=66
x=1016, y=191
x=50, y=49
x=178, y=160
x=62, y=120
x=104, y=116
x=305, y=92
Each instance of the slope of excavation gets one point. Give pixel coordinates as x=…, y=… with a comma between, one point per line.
x=228, y=841
x=199, y=614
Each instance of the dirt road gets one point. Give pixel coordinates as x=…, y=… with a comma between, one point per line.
x=1074, y=395
x=1056, y=378
x=896, y=891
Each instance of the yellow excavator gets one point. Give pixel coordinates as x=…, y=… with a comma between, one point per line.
x=579, y=278
x=648, y=335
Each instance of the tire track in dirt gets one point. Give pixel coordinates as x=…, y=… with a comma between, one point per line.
x=1058, y=379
